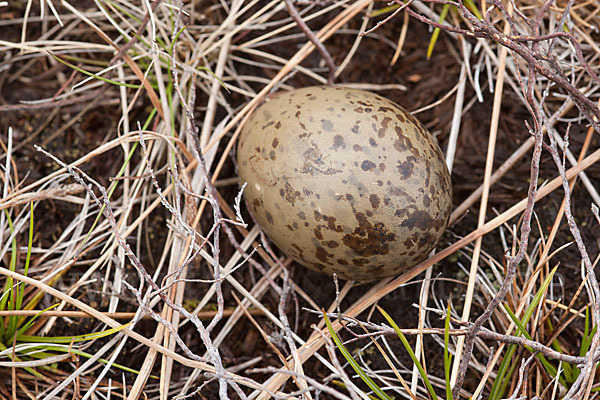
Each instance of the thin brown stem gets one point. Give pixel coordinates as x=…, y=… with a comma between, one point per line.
x=314, y=39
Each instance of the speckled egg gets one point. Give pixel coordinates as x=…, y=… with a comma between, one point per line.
x=344, y=181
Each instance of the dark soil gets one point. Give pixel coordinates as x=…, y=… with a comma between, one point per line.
x=426, y=82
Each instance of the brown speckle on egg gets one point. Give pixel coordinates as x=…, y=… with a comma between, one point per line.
x=353, y=184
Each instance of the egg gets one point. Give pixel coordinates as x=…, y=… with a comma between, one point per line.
x=344, y=181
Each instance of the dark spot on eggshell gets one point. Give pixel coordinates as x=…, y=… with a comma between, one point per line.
x=318, y=233
x=327, y=125
x=332, y=225
x=318, y=216
x=360, y=262
x=345, y=182
x=338, y=142
x=369, y=239
x=375, y=201
x=368, y=165
x=255, y=204
x=318, y=267
x=323, y=255
x=426, y=201
x=420, y=219
x=405, y=168
x=290, y=194
x=269, y=217
x=376, y=269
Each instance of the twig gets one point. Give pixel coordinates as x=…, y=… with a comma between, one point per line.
x=483, y=333
x=512, y=265
x=214, y=356
x=54, y=103
x=518, y=44
x=576, y=391
x=114, y=315
x=314, y=39
x=313, y=382
x=522, y=376
x=331, y=351
x=392, y=15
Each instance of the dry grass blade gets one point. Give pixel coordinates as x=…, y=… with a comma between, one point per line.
x=144, y=221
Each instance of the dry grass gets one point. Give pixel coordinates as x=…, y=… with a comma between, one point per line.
x=162, y=236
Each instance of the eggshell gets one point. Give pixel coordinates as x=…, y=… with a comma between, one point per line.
x=344, y=181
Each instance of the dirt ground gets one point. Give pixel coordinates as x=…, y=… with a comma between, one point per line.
x=72, y=130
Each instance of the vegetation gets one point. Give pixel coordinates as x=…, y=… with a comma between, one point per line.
x=130, y=266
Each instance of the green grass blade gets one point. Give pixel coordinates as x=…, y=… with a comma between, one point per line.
x=175, y=38
x=538, y=296
x=343, y=386
x=473, y=8
x=355, y=366
x=410, y=352
x=71, y=339
x=586, y=341
x=124, y=11
x=567, y=368
x=9, y=295
x=436, y=31
x=508, y=375
x=502, y=370
x=78, y=352
x=7, y=291
x=499, y=384
x=384, y=10
x=101, y=78
x=32, y=320
x=550, y=369
x=21, y=288
x=447, y=355
x=587, y=335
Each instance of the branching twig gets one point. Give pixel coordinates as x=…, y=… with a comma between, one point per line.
x=518, y=44
x=588, y=370
x=483, y=333
x=314, y=39
x=512, y=265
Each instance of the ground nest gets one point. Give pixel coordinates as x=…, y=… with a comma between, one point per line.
x=131, y=267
